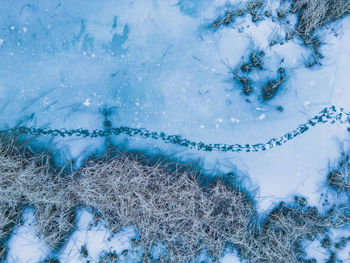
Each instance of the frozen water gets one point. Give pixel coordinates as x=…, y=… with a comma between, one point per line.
x=158, y=65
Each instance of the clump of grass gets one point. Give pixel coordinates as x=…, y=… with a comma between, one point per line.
x=273, y=85
x=246, y=67
x=166, y=207
x=339, y=179
x=246, y=85
x=314, y=14
x=9, y=219
x=326, y=242
x=254, y=7
x=256, y=59
x=109, y=257
x=10, y=212
x=255, y=62
x=242, y=79
x=228, y=18
x=32, y=181
x=282, y=233
x=281, y=13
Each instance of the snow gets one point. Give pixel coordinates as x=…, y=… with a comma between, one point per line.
x=157, y=65
x=231, y=257
x=314, y=249
x=25, y=245
x=97, y=240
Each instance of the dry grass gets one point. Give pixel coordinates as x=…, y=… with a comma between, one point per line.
x=254, y=7
x=272, y=86
x=168, y=206
x=26, y=181
x=282, y=233
x=314, y=14
x=9, y=212
x=9, y=218
x=109, y=257
x=339, y=179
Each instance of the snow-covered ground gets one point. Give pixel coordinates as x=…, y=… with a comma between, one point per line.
x=158, y=65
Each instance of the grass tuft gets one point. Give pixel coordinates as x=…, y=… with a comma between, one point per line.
x=314, y=14
x=273, y=85
x=253, y=7
x=339, y=179
x=109, y=257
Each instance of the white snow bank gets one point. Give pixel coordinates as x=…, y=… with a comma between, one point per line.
x=25, y=246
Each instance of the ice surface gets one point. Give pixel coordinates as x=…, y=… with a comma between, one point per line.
x=157, y=65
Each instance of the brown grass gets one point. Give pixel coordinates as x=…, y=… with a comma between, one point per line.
x=282, y=232
x=169, y=206
x=31, y=181
x=254, y=7
x=166, y=207
x=314, y=14
x=339, y=178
